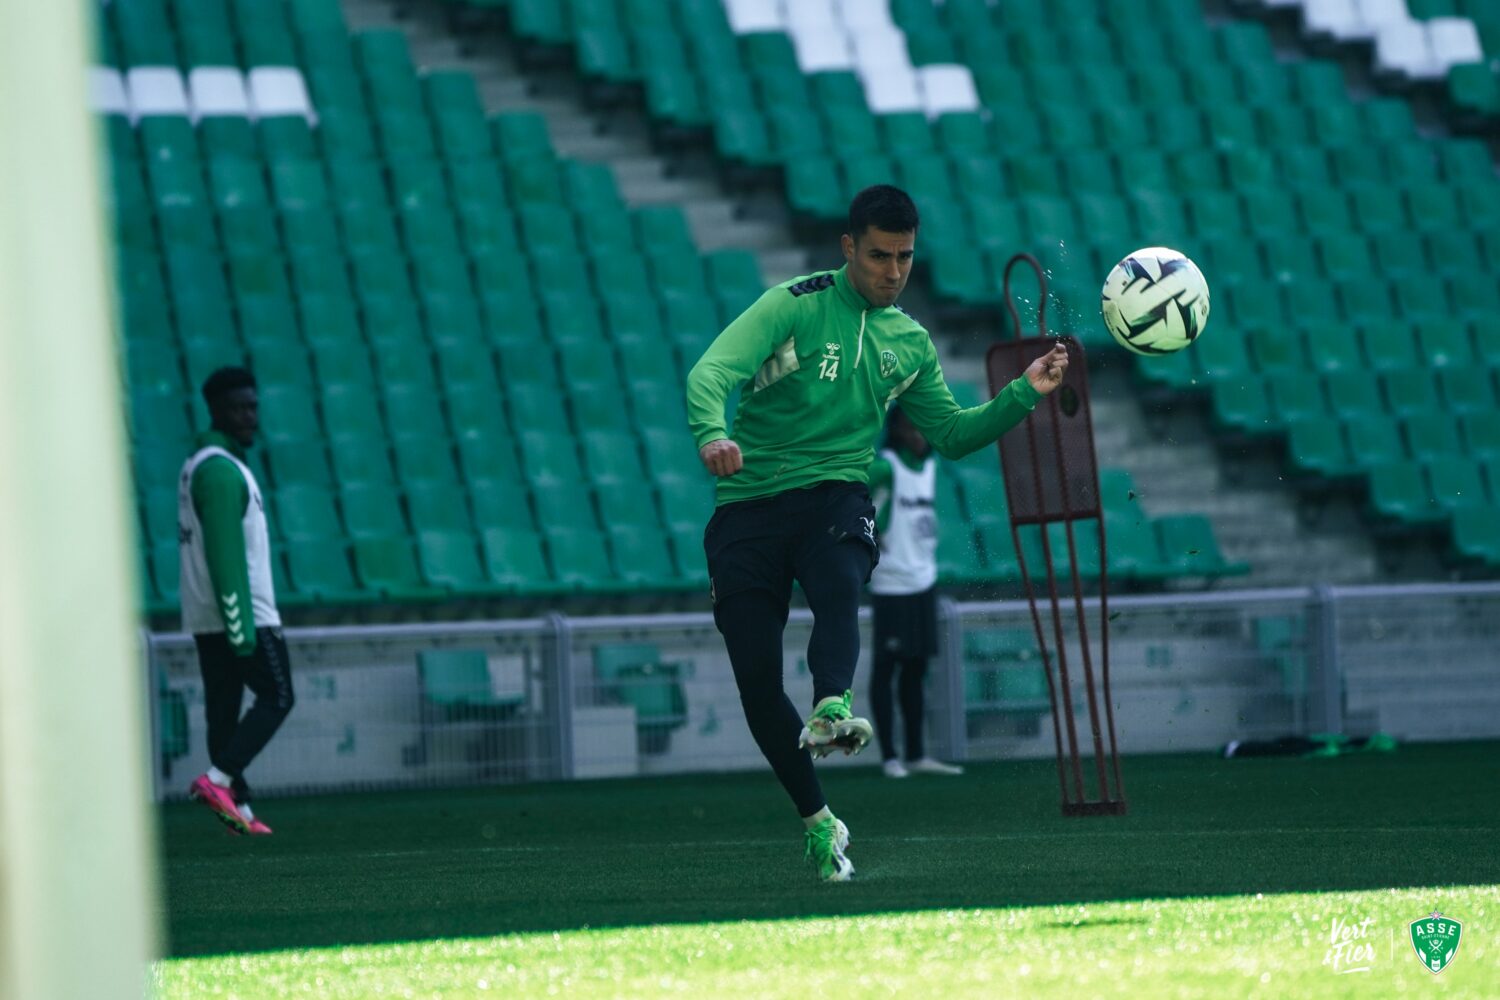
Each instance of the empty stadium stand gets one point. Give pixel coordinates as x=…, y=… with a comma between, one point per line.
x=471, y=348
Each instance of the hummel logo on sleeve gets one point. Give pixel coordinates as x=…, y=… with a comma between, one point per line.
x=814, y=284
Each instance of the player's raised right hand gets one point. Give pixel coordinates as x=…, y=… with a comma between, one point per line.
x=721, y=457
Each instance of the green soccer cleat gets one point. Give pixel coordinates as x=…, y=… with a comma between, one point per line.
x=825, y=848
x=833, y=726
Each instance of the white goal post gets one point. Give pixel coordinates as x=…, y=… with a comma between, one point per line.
x=77, y=876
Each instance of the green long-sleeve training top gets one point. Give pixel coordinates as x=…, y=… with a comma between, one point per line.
x=220, y=497
x=817, y=366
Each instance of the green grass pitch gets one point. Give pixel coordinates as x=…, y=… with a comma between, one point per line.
x=1227, y=879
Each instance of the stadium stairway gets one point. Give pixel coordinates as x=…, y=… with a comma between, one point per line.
x=620, y=138
x=1257, y=519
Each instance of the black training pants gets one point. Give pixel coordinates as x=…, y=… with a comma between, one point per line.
x=233, y=742
x=911, y=671
x=824, y=538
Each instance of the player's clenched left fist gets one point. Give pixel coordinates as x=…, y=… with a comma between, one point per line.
x=1046, y=372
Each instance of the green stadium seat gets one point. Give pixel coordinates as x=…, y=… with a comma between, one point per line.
x=1326, y=215
x=1242, y=406
x=1398, y=496
x=500, y=503
x=634, y=674
x=579, y=559
x=298, y=465
x=146, y=36
x=1345, y=254
x=1365, y=301
x=228, y=138
x=1278, y=351
x=306, y=512
x=1332, y=348
x=450, y=560
x=248, y=228
x=1465, y=160
x=1316, y=447
x=282, y=362
x=613, y=457
x=485, y=455
x=1467, y=390
x=1410, y=393
x=457, y=682
x=389, y=566
x=287, y=416
x=1390, y=347
x=356, y=181
x=514, y=561
x=286, y=138
x=265, y=36
x=345, y=370
x=1295, y=396
x=1476, y=299
x=371, y=510
x=543, y=21
x=1189, y=548
x=642, y=557
x=1476, y=534
x=1453, y=251
x=422, y=458
x=1376, y=210
x=1400, y=255
x=1481, y=436
x=549, y=456
x=437, y=506
x=1353, y=395
x=362, y=461
x=1457, y=485
x=1374, y=440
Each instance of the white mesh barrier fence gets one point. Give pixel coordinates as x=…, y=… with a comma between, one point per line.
x=558, y=698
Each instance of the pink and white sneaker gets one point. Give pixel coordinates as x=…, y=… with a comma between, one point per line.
x=220, y=801
x=254, y=825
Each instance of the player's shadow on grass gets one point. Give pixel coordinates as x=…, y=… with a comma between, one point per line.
x=541, y=858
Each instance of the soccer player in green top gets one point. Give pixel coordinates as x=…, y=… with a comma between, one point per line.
x=818, y=359
x=229, y=598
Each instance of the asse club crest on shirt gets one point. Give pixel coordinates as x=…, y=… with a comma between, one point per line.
x=1435, y=938
x=887, y=363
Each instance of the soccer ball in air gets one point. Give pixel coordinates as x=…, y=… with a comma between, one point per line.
x=1155, y=301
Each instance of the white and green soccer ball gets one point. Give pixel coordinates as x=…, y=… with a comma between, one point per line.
x=1155, y=301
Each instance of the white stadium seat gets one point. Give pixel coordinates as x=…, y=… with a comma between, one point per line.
x=107, y=91
x=804, y=17
x=1337, y=19
x=865, y=15
x=279, y=92
x=218, y=91
x=893, y=90
x=878, y=50
x=1377, y=15
x=1402, y=49
x=156, y=90
x=947, y=88
x=823, y=51
x=1454, y=41
x=747, y=16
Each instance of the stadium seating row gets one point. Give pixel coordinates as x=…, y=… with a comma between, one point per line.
x=437, y=420
x=1214, y=133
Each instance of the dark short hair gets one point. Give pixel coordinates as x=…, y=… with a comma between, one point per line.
x=226, y=380
x=884, y=206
